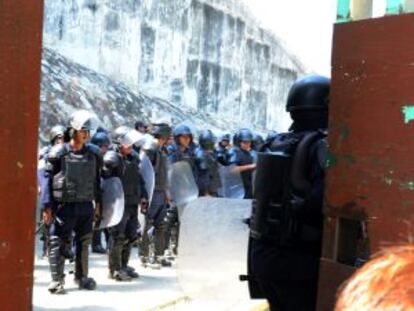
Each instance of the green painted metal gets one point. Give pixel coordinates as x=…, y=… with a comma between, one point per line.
x=343, y=12
x=395, y=7
x=408, y=112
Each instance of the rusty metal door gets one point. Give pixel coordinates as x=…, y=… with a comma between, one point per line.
x=20, y=54
x=370, y=181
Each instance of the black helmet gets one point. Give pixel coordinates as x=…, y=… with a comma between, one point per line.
x=225, y=137
x=161, y=130
x=244, y=135
x=100, y=139
x=207, y=139
x=310, y=93
x=181, y=129
x=258, y=141
x=55, y=132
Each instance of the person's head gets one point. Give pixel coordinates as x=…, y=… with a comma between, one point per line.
x=308, y=102
x=225, y=140
x=183, y=135
x=121, y=139
x=80, y=125
x=244, y=139
x=207, y=140
x=81, y=136
x=384, y=283
x=141, y=127
x=102, y=140
x=258, y=142
x=162, y=132
x=56, y=135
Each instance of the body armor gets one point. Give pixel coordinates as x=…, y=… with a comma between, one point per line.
x=281, y=190
x=77, y=179
x=131, y=179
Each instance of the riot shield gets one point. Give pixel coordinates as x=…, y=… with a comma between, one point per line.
x=231, y=183
x=183, y=187
x=113, y=202
x=213, y=246
x=147, y=173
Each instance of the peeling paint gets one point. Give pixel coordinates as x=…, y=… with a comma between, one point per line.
x=331, y=160
x=408, y=112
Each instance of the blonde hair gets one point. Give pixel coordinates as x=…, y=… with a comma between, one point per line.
x=384, y=283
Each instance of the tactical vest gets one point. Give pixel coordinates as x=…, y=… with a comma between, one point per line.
x=161, y=171
x=280, y=191
x=131, y=179
x=77, y=180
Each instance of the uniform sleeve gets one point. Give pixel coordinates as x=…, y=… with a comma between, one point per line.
x=99, y=171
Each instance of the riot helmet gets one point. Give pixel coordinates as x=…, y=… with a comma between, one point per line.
x=100, y=139
x=182, y=129
x=119, y=135
x=258, y=141
x=244, y=135
x=58, y=131
x=308, y=103
x=207, y=139
x=161, y=130
x=310, y=93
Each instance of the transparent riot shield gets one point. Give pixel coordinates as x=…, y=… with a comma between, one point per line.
x=213, y=248
x=113, y=202
x=183, y=187
x=147, y=172
x=231, y=182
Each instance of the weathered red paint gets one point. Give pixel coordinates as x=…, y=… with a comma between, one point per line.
x=20, y=54
x=372, y=148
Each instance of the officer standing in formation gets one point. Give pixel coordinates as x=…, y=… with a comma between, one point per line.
x=286, y=223
x=102, y=140
x=222, y=150
x=124, y=163
x=208, y=178
x=55, y=138
x=156, y=212
x=244, y=157
x=74, y=183
x=71, y=195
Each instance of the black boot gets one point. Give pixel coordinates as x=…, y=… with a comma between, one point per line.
x=97, y=243
x=57, y=263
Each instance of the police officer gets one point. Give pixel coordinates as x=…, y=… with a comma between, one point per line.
x=222, y=150
x=286, y=223
x=208, y=178
x=74, y=181
x=155, y=214
x=244, y=157
x=258, y=142
x=56, y=137
x=102, y=140
x=183, y=147
x=124, y=163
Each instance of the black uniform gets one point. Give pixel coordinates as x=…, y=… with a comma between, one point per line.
x=286, y=223
x=125, y=233
x=242, y=157
x=74, y=180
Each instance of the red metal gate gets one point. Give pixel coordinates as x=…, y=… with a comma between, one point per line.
x=20, y=54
